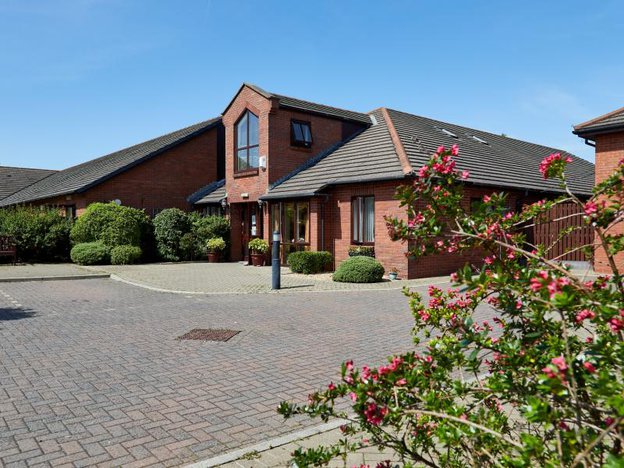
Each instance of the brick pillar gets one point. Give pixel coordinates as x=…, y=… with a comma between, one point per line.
x=235, y=237
x=609, y=152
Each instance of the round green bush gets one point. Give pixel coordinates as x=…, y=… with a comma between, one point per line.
x=209, y=227
x=309, y=262
x=113, y=225
x=90, y=253
x=170, y=226
x=359, y=269
x=125, y=254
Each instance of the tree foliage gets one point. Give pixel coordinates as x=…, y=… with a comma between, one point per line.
x=539, y=385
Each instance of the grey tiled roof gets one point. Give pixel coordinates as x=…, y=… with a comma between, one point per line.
x=211, y=193
x=611, y=121
x=13, y=179
x=86, y=175
x=493, y=160
x=496, y=160
x=307, y=106
x=367, y=157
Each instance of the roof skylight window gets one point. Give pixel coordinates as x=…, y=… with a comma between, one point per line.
x=480, y=140
x=447, y=132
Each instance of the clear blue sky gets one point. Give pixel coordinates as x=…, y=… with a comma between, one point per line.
x=82, y=78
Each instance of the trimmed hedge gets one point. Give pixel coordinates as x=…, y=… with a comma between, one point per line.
x=362, y=250
x=359, y=269
x=41, y=235
x=125, y=254
x=170, y=226
x=113, y=225
x=90, y=253
x=309, y=262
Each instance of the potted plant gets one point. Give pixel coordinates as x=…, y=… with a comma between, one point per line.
x=215, y=246
x=258, y=248
x=393, y=274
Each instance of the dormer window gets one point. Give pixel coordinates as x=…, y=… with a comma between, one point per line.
x=247, y=138
x=300, y=133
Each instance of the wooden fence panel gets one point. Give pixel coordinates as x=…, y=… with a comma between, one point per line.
x=550, y=225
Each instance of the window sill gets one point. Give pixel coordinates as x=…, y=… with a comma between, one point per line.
x=246, y=173
x=305, y=149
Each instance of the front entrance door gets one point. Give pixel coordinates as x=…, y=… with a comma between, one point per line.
x=251, y=225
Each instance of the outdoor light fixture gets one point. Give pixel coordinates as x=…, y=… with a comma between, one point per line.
x=224, y=203
x=260, y=203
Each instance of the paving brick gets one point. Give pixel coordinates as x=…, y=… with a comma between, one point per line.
x=115, y=387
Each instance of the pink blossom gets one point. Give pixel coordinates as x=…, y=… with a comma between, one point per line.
x=590, y=208
x=375, y=414
x=331, y=386
x=366, y=373
x=454, y=277
x=440, y=149
x=455, y=150
x=585, y=314
x=549, y=372
x=349, y=365
x=560, y=363
x=465, y=174
x=423, y=171
x=549, y=160
x=616, y=324
x=536, y=284
x=401, y=382
x=589, y=367
x=489, y=260
x=353, y=397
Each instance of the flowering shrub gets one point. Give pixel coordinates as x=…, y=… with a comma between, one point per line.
x=541, y=384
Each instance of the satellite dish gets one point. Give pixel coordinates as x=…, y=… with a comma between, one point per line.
x=117, y=201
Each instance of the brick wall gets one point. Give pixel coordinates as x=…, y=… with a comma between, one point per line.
x=338, y=223
x=165, y=181
x=274, y=142
x=609, y=151
x=393, y=254
x=253, y=183
x=285, y=158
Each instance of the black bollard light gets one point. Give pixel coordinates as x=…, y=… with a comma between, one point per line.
x=275, y=264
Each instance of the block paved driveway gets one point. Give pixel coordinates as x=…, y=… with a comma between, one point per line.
x=91, y=372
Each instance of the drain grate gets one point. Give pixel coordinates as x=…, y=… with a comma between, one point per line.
x=209, y=334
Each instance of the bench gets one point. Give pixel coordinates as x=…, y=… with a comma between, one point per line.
x=8, y=248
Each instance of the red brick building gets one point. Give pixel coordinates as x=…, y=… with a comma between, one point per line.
x=157, y=174
x=606, y=134
x=326, y=177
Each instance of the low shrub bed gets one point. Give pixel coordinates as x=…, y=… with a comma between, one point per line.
x=362, y=251
x=125, y=255
x=309, y=262
x=40, y=234
x=359, y=270
x=90, y=253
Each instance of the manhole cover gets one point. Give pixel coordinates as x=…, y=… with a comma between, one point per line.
x=209, y=334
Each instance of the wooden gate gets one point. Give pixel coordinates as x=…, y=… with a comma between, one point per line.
x=549, y=227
